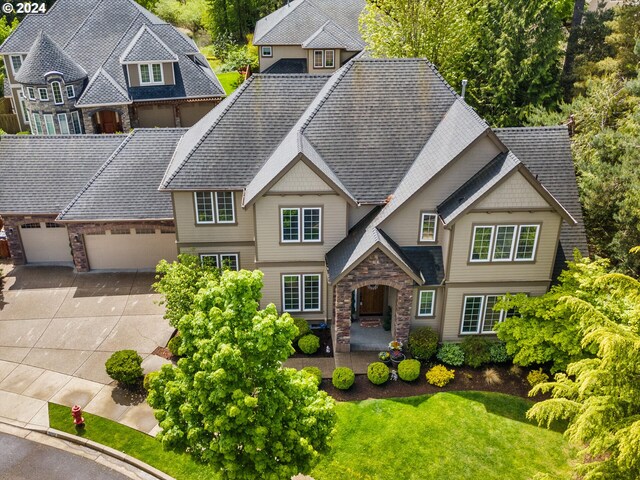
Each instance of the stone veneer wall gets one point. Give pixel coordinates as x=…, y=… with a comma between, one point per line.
x=376, y=269
x=123, y=110
x=11, y=227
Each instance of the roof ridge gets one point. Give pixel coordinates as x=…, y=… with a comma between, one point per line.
x=138, y=36
x=96, y=175
x=532, y=127
x=86, y=19
x=283, y=17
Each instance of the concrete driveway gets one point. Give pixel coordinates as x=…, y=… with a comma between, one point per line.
x=57, y=329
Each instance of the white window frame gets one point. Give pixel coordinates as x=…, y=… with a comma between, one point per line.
x=152, y=79
x=210, y=255
x=473, y=242
x=433, y=303
x=535, y=243
x=301, y=225
x=513, y=243
x=315, y=65
x=13, y=68
x=31, y=91
x=227, y=255
x=464, y=310
x=36, y=125
x=233, y=209
x=282, y=209
x=47, y=124
x=23, y=107
x=333, y=59
x=46, y=94
x=213, y=208
x=53, y=92
x=76, y=116
x=73, y=91
x=435, y=227
x=284, y=303
x=262, y=51
x=64, y=124
x=483, y=314
x=501, y=314
x=301, y=292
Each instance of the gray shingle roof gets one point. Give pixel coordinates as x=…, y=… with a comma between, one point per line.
x=46, y=56
x=147, y=47
x=103, y=90
x=331, y=35
x=287, y=66
x=42, y=174
x=428, y=261
x=298, y=21
x=225, y=149
x=95, y=33
x=126, y=186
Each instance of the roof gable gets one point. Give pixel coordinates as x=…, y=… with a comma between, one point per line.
x=146, y=46
x=103, y=90
x=331, y=35
x=300, y=178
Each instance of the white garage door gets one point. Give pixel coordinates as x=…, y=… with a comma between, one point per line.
x=136, y=248
x=46, y=243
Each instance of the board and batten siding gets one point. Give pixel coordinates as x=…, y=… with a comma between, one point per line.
x=188, y=231
x=455, y=296
x=404, y=224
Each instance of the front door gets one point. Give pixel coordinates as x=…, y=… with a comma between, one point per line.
x=109, y=122
x=372, y=300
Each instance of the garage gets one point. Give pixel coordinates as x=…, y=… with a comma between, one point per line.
x=129, y=248
x=45, y=242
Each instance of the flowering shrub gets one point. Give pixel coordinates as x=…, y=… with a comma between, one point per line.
x=440, y=375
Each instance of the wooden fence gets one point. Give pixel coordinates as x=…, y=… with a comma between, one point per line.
x=8, y=121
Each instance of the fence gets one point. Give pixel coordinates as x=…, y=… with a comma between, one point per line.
x=8, y=121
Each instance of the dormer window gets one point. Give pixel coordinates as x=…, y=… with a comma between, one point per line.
x=16, y=63
x=44, y=94
x=151, y=74
x=57, y=93
x=71, y=93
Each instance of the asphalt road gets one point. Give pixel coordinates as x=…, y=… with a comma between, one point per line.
x=22, y=459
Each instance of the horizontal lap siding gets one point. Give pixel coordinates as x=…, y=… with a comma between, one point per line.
x=433, y=322
x=280, y=52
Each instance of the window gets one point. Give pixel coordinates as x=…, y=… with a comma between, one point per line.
x=429, y=226
x=481, y=243
x=503, y=250
x=16, y=63
x=53, y=225
x=151, y=73
x=71, y=93
x=301, y=292
x=318, y=58
x=204, y=207
x=30, y=225
x=120, y=231
x=31, y=92
x=311, y=224
x=75, y=119
x=57, y=93
x=64, y=124
x=145, y=231
x=329, y=58
x=266, y=51
x=527, y=241
x=229, y=261
x=44, y=94
x=224, y=204
x=426, y=303
x=50, y=126
x=209, y=260
x=223, y=212
x=36, y=127
x=23, y=107
x=291, y=224
x=479, y=315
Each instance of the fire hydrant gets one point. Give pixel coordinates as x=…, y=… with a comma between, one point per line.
x=76, y=413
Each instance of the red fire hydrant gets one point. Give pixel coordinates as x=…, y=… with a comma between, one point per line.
x=76, y=413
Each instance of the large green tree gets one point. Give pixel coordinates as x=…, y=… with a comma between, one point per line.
x=229, y=402
x=6, y=27
x=233, y=20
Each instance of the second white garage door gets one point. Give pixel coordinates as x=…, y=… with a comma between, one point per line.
x=136, y=248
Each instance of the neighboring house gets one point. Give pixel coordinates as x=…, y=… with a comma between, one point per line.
x=375, y=187
x=309, y=36
x=98, y=66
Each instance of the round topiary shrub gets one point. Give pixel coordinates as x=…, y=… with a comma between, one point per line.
x=409, y=370
x=303, y=328
x=451, y=354
x=440, y=375
x=423, y=343
x=309, y=344
x=316, y=372
x=124, y=366
x=343, y=378
x=476, y=351
x=498, y=353
x=174, y=344
x=378, y=373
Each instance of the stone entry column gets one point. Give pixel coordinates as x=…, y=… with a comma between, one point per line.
x=376, y=269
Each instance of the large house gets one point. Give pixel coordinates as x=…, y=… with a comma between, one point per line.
x=98, y=66
x=309, y=36
x=372, y=188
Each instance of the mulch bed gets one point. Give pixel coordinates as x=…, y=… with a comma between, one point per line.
x=466, y=379
x=325, y=341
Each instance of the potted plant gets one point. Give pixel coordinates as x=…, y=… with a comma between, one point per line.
x=395, y=345
x=385, y=357
x=396, y=357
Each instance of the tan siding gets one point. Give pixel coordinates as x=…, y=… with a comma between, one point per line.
x=191, y=113
x=334, y=223
x=515, y=192
x=345, y=56
x=463, y=271
x=404, y=225
x=279, y=52
x=151, y=116
x=358, y=213
x=433, y=322
x=247, y=254
x=134, y=75
x=301, y=178
x=167, y=73
x=455, y=296
x=189, y=231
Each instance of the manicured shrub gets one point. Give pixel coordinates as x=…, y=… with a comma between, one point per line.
x=309, y=344
x=537, y=376
x=451, y=354
x=303, y=328
x=146, y=383
x=343, y=378
x=492, y=377
x=174, y=345
x=498, y=352
x=440, y=375
x=423, y=343
x=316, y=372
x=476, y=351
x=378, y=373
x=409, y=370
x=124, y=367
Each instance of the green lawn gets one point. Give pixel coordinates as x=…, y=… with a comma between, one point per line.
x=229, y=81
x=459, y=435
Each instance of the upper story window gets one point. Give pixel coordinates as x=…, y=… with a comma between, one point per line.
x=71, y=93
x=301, y=224
x=214, y=207
x=301, y=293
x=57, y=93
x=479, y=315
x=16, y=63
x=428, y=228
x=266, y=51
x=151, y=73
x=31, y=93
x=329, y=58
x=504, y=243
x=426, y=301
x=44, y=94
x=323, y=59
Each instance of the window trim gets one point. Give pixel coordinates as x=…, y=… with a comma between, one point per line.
x=36, y=124
x=23, y=106
x=213, y=195
x=333, y=59
x=464, y=309
x=233, y=208
x=13, y=68
x=282, y=240
x=483, y=313
x=46, y=94
x=213, y=208
x=301, y=292
x=284, y=308
x=495, y=242
x=264, y=55
x=315, y=65
x=473, y=242
x=152, y=80
x=75, y=115
x=53, y=91
x=237, y=258
x=431, y=312
x=435, y=227
x=535, y=243
x=301, y=225
x=73, y=91
x=64, y=122
x=46, y=124
x=300, y=237
x=31, y=91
